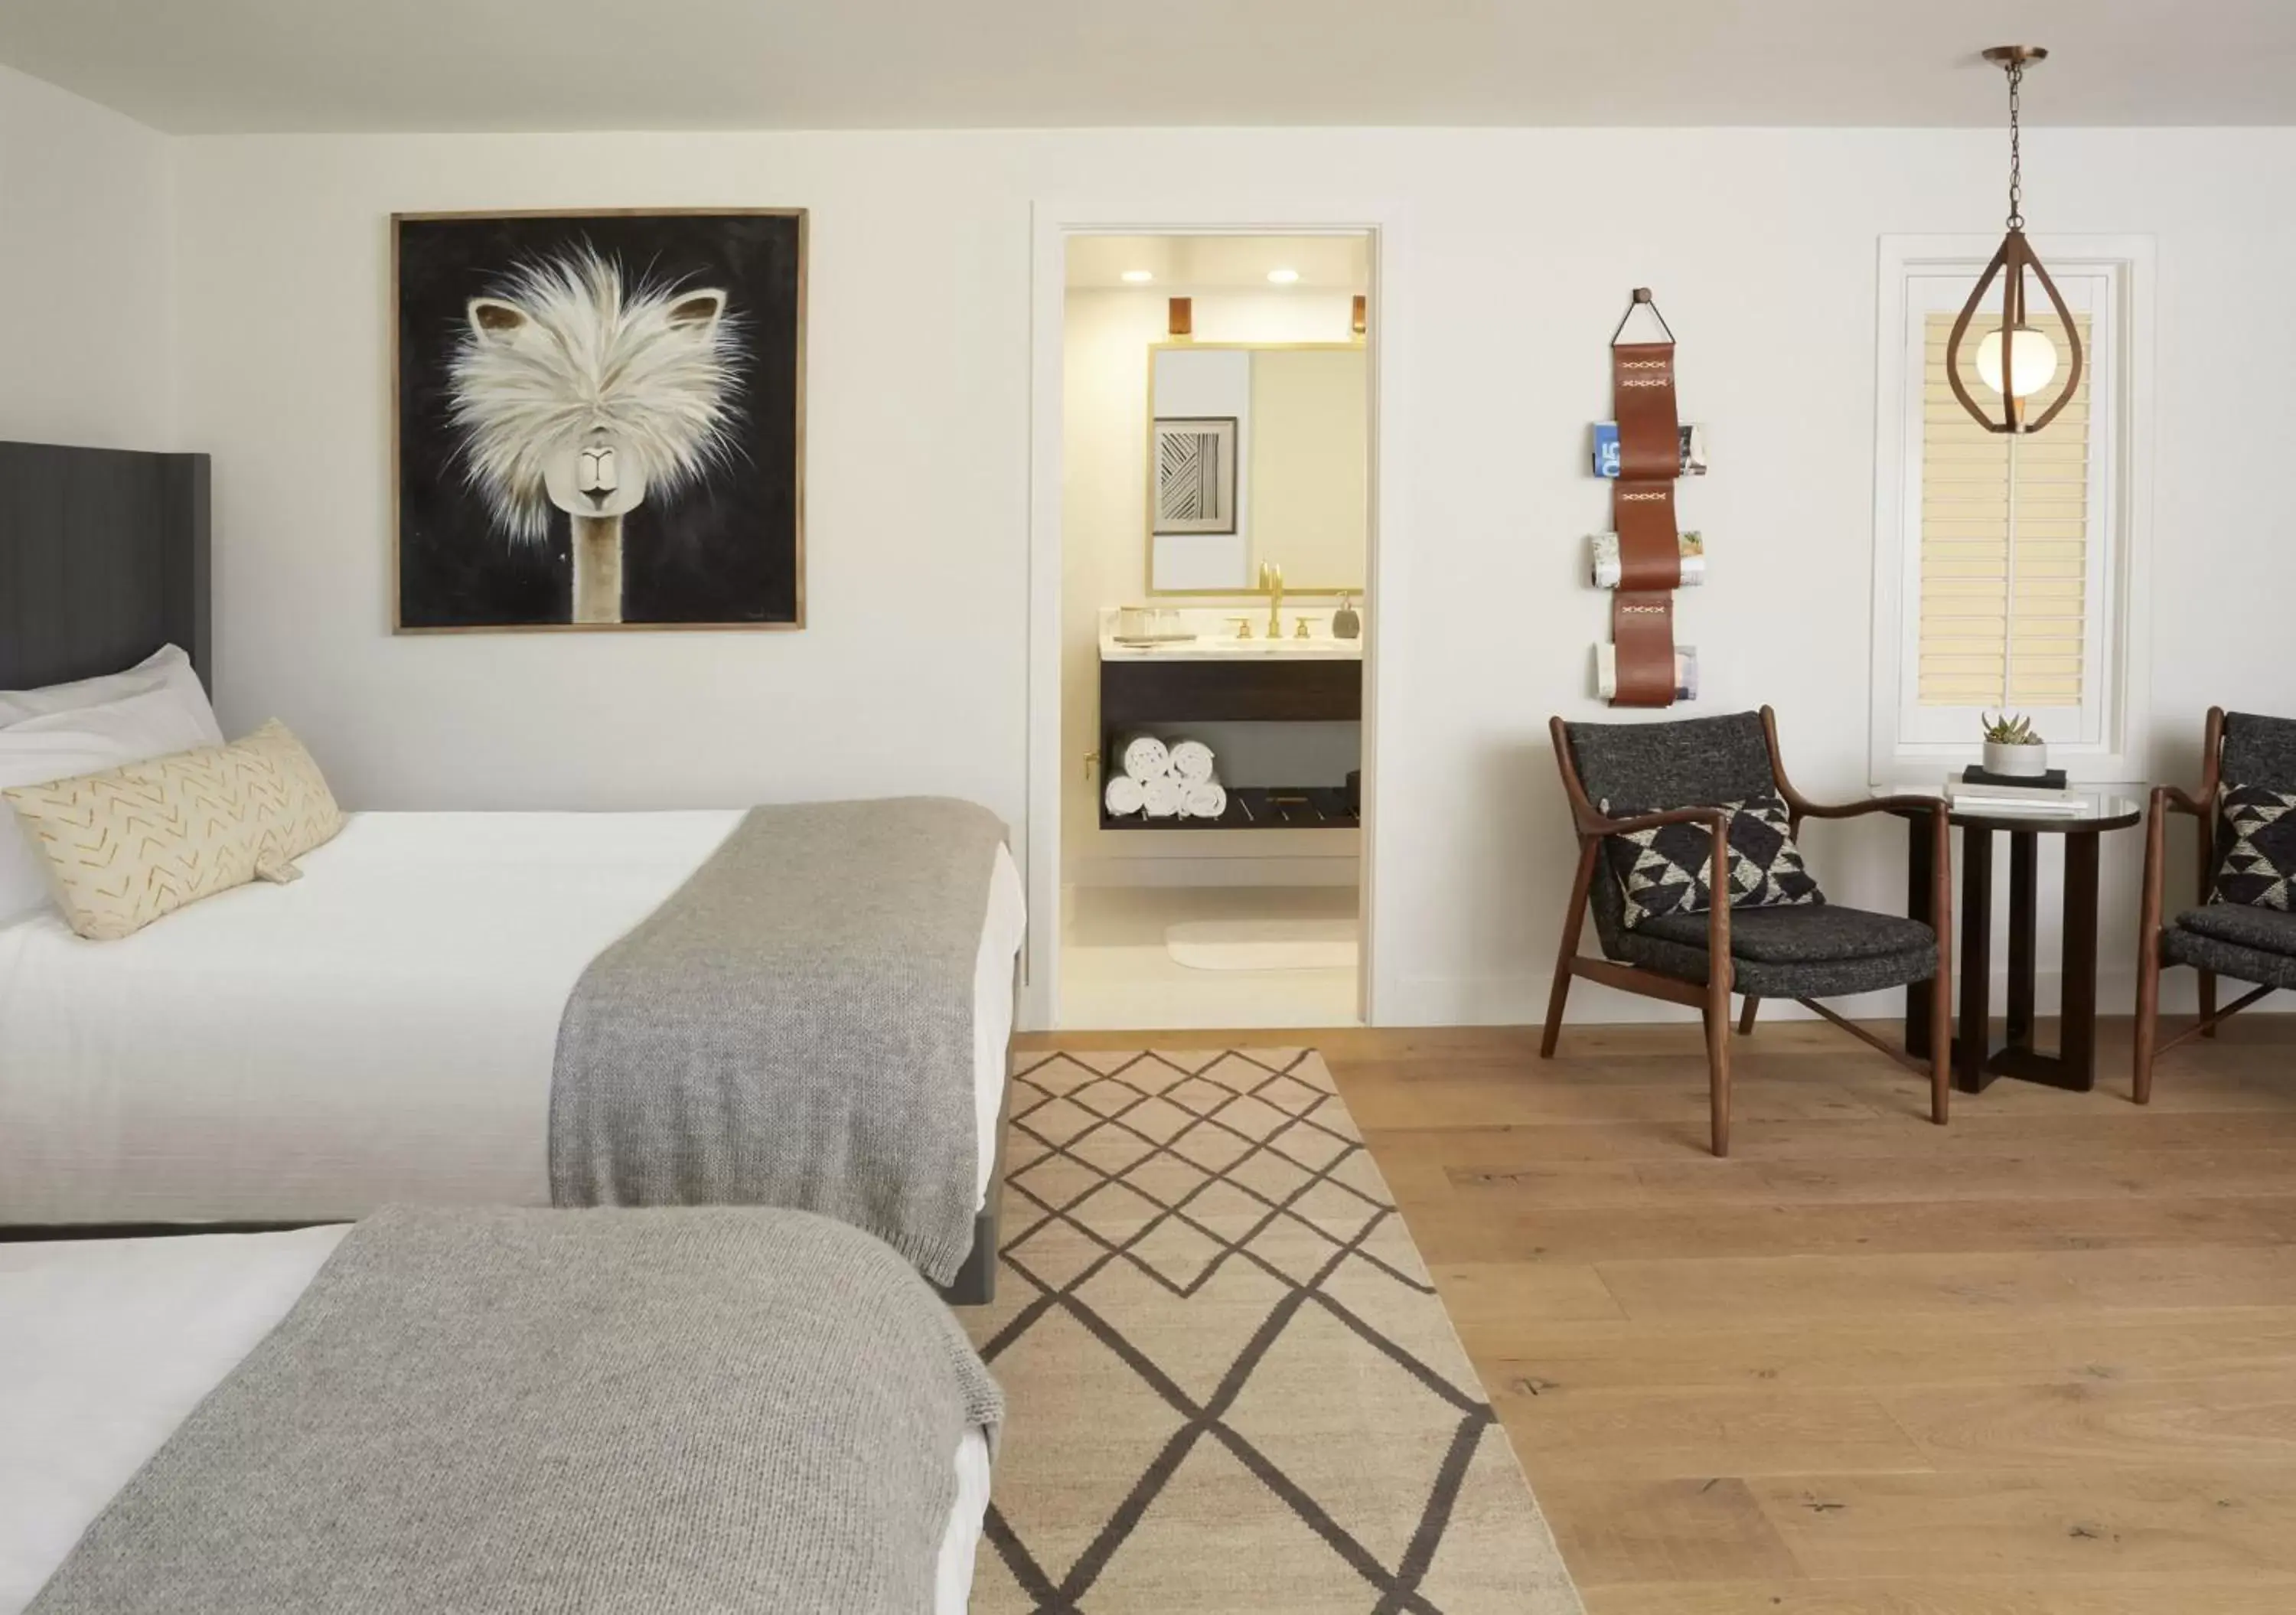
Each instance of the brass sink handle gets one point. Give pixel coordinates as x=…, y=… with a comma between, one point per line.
x=1300, y=630
x=1242, y=626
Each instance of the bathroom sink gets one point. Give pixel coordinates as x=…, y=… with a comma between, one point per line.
x=1210, y=635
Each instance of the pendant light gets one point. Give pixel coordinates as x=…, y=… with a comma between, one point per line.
x=2015, y=361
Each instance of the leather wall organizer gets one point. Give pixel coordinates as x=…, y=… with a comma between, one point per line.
x=1642, y=513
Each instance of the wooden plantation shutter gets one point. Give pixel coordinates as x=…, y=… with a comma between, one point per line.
x=2005, y=530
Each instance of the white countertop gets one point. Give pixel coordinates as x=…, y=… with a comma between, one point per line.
x=1214, y=638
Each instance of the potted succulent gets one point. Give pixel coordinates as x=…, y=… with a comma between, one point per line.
x=2012, y=750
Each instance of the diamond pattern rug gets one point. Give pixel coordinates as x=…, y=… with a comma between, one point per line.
x=1231, y=1387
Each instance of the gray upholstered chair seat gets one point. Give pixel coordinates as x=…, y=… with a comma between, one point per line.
x=1813, y=979
x=2271, y=930
x=1798, y=934
x=2229, y=959
x=2234, y=939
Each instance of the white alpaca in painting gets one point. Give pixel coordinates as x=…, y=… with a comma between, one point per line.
x=573, y=389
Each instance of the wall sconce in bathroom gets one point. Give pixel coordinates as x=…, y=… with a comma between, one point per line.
x=1180, y=316
x=1359, y=315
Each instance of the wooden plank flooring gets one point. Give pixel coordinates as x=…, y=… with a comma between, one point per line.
x=2039, y=1362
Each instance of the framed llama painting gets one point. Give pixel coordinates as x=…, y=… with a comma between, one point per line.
x=600, y=420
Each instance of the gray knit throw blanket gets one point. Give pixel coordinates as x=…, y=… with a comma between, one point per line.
x=588, y=1412
x=793, y=1027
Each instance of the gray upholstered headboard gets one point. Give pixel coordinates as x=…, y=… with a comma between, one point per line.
x=103, y=559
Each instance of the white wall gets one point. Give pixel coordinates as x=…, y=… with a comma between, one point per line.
x=1520, y=247
x=86, y=239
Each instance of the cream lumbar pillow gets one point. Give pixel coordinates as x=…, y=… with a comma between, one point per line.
x=133, y=843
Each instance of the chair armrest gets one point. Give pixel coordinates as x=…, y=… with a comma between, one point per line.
x=1594, y=823
x=1871, y=804
x=2175, y=799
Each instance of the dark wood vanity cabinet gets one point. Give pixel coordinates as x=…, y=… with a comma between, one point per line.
x=1160, y=695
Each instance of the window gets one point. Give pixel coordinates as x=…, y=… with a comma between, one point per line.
x=2004, y=565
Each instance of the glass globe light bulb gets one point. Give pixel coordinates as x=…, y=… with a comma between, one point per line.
x=2033, y=356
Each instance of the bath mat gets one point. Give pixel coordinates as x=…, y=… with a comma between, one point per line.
x=1231, y=1386
x=1263, y=944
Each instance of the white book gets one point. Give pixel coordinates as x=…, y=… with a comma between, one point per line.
x=2039, y=808
x=1961, y=789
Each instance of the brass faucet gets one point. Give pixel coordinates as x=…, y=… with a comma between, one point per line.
x=1271, y=584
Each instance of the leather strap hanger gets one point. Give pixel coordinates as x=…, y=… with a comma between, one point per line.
x=1642, y=512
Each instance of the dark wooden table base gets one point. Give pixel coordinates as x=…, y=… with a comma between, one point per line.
x=1977, y=1065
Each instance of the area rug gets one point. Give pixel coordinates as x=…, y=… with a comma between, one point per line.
x=1231, y=1387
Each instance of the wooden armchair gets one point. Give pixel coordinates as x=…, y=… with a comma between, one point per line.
x=2246, y=942
x=1624, y=778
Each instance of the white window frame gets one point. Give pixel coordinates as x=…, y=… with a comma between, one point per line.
x=2106, y=740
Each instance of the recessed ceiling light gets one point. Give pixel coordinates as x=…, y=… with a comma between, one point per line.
x=1139, y=277
x=1282, y=277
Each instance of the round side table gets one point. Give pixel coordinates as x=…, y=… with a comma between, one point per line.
x=1976, y=1064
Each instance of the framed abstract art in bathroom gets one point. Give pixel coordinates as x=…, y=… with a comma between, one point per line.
x=600, y=420
x=1195, y=475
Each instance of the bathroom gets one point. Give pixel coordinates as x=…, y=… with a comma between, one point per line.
x=1216, y=518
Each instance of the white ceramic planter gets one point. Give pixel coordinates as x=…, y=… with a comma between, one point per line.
x=2004, y=758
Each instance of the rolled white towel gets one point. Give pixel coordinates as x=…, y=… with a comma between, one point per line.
x=1192, y=761
x=1161, y=797
x=1124, y=797
x=1204, y=800
x=1145, y=757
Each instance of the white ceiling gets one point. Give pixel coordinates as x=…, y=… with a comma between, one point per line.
x=1221, y=263
x=203, y=66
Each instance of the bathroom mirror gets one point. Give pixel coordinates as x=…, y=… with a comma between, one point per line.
x=1257, y=453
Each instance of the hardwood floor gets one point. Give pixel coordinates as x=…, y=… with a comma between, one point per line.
x=2039, y=1362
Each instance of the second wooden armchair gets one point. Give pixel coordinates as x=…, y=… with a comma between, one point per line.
x=1626, y=778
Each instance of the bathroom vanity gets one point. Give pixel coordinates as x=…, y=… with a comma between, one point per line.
x=1201, y=670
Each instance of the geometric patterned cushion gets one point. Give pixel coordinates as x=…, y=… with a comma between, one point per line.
x=133, y=843
x=2256, y=839
x=1669, y=869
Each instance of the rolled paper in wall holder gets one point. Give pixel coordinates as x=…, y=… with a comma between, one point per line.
x=1686, y=672
x=1605, y=569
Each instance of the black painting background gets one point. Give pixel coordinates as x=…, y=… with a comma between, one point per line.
x=724, y=551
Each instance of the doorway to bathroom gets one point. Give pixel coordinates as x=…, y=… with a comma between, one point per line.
x=1216, y=527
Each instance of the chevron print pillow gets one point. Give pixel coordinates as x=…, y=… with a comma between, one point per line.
x=2256, y=846
x=131, y=844
x=1670, y=870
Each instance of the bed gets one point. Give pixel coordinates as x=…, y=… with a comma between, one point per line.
x=399, y=1024
x=108, y=1346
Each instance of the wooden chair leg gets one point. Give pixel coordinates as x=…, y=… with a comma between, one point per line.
x=2148, y=1016
x=2208, y=1001
x=1746, y=1015
x=1574, y=921
x=1941, y=986
x=1941, y=1055
x=1718, y=1069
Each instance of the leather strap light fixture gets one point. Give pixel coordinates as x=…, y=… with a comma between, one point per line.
x=2015, y=360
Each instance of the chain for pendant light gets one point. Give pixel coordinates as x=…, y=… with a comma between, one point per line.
x=2016, y=148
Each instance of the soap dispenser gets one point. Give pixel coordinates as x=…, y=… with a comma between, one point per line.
x=1345, y=623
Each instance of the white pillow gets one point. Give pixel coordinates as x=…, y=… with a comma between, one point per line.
x=61, y=745
x=166, y=668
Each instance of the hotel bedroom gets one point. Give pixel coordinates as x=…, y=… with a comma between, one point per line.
x=688, y=920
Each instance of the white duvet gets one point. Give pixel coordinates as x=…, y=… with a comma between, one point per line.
x=107, y=1345
x=383, y=1029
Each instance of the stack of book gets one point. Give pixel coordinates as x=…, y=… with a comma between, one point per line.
x=1974, y=790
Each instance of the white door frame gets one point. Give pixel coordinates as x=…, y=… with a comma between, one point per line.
x=1386, y=222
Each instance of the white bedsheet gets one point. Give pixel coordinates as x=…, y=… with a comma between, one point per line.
x=107, y=1345
x=381, y=1029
